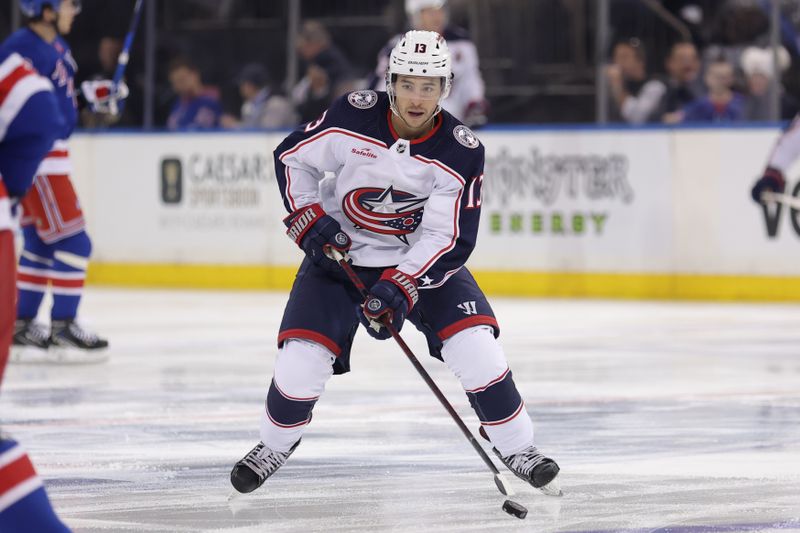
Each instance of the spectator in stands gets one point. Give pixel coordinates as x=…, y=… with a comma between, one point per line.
x=197, y=106
x=467, y=101
x=261, y=107
x=328, y=74
x=682, y=84
x=721, y=104
x=634, y=98
x=758, y=68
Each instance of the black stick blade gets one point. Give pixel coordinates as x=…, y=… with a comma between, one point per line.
x=515, y=509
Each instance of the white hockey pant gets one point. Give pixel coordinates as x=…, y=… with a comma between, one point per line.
x=477, y=359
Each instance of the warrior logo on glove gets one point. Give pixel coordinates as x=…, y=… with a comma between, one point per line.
x=385, y=211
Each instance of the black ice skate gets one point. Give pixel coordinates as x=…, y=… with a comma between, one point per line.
x=532, y=467
x=255, y=467
x=30, y=342
x=70, y=343
x=29, y=333
x=68, y=334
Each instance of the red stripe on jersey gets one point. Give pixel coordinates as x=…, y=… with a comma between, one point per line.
x=7, y=83
x=461, y=325
x=508, y=419
x=328, y=132
x=452, y=243
x=67, y=283
x=57, y=153
x=443, y=167
x=287, y=426
x=288, y=189
x=289, y=397
x=495, y=380
x=15, y=473
x=438, y=121
x=3, y=191
x=30, y=278
x=311, y=336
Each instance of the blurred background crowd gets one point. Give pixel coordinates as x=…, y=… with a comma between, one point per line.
x=199, y=64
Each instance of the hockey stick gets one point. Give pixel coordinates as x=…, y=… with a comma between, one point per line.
x=499, y=480
x=781, y=198
x=124, y=55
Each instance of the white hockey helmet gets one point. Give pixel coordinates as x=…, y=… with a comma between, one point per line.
x=415, y=6
x=420, y=53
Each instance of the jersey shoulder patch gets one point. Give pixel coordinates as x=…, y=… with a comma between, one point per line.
x=465, y=136
x=362, y=99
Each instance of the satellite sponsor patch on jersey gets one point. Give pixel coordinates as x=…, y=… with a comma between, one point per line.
x=384, y=211
x=363, y=99
x=465, y=136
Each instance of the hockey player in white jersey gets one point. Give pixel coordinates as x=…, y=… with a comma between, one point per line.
x=785, y=153
x=403, y=202
x=466, y=101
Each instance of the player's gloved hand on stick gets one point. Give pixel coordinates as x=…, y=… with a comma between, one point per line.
x=314, y=231
x=389, y=300
x=772, y=181
x=102, y=96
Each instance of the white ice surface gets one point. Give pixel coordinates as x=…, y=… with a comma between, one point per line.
x=664, y=417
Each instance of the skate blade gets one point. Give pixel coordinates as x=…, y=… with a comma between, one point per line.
x=552, y=489
x=76, y=356
x=56, y=355
x=26, y=355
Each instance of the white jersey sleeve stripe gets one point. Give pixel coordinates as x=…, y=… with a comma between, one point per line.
x=451, y=245
x=444, y=167
x=289, y=188
x=22, y=90
x=327, y=132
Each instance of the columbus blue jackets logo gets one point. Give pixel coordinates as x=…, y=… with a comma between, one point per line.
x=465, y=136
x=384, y=211
x=363, y=99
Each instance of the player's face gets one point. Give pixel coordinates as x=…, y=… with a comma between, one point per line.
x=416, y=98
x=66, y=16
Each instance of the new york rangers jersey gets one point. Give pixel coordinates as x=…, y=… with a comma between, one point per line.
x=410, y=203
x=29, y=121
x=53, y=61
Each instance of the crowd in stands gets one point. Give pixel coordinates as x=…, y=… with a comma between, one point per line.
x=326, y=74
x=721, y=70
x=723, y=74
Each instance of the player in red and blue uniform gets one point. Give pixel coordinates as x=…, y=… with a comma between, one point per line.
x=394, y=182
x=29, y=120
x=57, y=248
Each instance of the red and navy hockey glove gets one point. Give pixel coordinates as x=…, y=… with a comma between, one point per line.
x=314, y=231
x=772, y=180
x=389, y=300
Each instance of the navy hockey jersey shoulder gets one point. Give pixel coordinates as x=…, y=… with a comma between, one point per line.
x=367, y=113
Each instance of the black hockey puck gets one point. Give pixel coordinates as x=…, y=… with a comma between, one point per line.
x=515, y=509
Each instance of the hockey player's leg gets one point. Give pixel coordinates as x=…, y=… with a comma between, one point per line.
x=31, y=339
x=477, y=359
x=301, y=371
x=24, y=505
x=67, y=338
